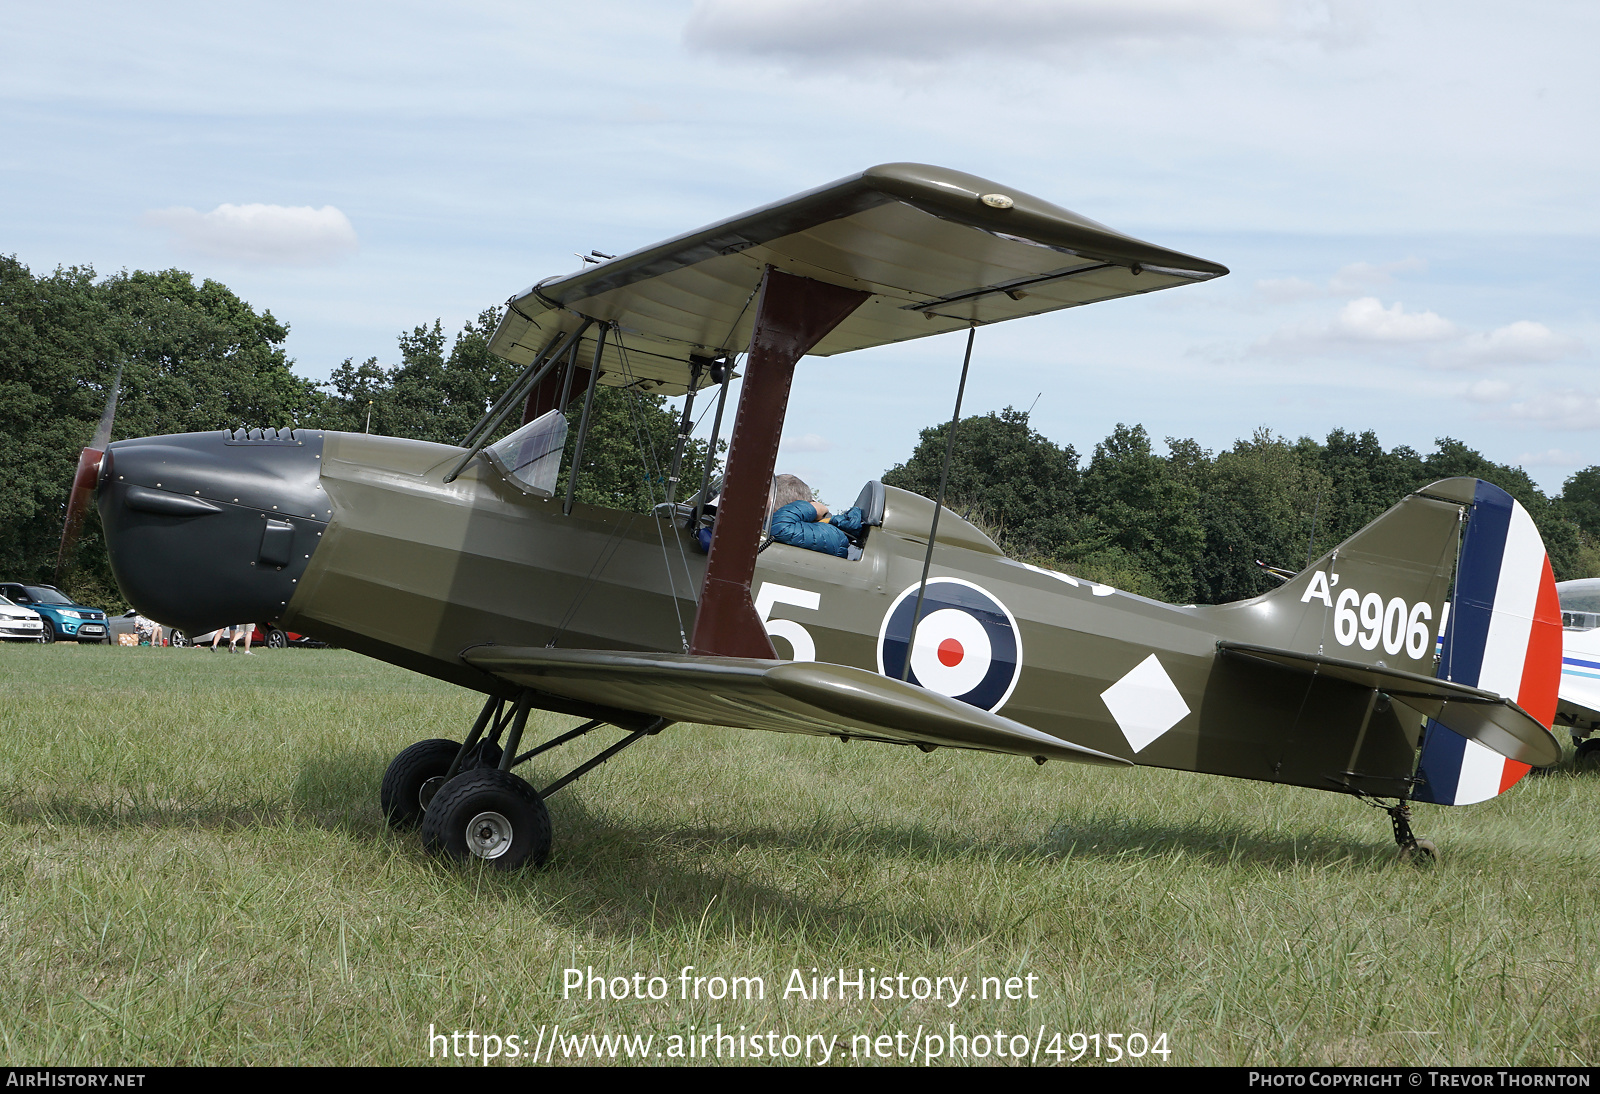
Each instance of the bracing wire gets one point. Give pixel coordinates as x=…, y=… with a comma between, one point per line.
x=703, y=412
x=652, y=469
x=601, y=561
x=938, y=505
x=618, y=534
x=734, y=326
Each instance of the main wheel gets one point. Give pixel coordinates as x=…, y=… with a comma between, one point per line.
x=488, y=814
x=1589, y=752
x=413, y=778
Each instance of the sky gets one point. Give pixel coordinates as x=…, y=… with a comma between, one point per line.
x=1403, y=191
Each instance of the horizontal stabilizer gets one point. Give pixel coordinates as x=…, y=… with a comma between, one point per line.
x=785, y=696
x=1482, y=716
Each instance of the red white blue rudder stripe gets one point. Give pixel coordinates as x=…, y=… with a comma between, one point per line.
x=1502, y=634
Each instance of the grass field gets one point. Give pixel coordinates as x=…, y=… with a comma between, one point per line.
x=193, y=870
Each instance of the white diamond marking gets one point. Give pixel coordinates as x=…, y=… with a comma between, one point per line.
x=1145, y=703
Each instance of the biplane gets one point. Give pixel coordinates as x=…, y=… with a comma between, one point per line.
x=1416, y=661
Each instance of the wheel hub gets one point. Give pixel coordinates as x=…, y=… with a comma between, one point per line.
x=427, y=790
x=489, y=835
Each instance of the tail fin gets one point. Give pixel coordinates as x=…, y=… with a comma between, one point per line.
x=1381, y=596
x=1503, y=635
x=1363, y=620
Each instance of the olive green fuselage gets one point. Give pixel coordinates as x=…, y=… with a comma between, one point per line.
x=416, y=571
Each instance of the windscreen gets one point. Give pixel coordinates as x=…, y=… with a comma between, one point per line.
x=46, y=596
x=530, y=458
x=1579, y=596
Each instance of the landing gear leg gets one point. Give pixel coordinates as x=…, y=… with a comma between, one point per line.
x=415, y=776
x=481, y=810
x=1412, y=849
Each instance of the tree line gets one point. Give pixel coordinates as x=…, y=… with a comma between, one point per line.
x=1184, y=526
x=196, y=358
x=1190, y=526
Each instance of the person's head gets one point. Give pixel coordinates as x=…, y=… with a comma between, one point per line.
x=787, y=489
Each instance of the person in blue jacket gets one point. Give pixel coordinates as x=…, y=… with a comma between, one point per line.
x=802, y=522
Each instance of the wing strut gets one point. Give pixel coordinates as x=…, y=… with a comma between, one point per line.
x=480, y=434
x=696, y=365
x=555, y=390
x=793, y=314
x=721, y=377
x=583, y=422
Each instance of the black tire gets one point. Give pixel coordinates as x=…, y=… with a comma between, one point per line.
x=180, y=639
x=1423, y=854
x=48, y=635
x=407, y=777
x=1589, y=752
x=489, y=815
x=276, y=639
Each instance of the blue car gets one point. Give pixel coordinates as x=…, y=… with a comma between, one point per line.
x=62, y=616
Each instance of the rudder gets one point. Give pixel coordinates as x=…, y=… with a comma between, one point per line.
x=1502, y=634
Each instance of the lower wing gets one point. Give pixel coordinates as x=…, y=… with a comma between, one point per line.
x=785, y=696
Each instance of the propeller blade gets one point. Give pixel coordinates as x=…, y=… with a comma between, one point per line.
x=85, y=479
x=102, y=432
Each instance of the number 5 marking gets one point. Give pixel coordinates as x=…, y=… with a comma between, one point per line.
x=770, y=595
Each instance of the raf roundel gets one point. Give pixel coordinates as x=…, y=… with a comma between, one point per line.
x=967, y=646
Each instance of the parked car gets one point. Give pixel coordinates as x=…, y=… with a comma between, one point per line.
x=275, y=638
x=61, y=616
x=120, y=625
x=19, y=624
x=128, y=623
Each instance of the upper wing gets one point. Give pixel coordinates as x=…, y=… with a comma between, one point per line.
x=788, y=696
x=938, y=249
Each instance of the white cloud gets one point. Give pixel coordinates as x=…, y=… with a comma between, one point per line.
x=1553, y=457
x=1367, y=320
x=1489, y=391
x=1283, y=290
x=260, y=235
x=1357, y=277
x=1570, y=409
x=806, y=442
x=932, y=30
x=1425, y=338
x=1521, y=342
